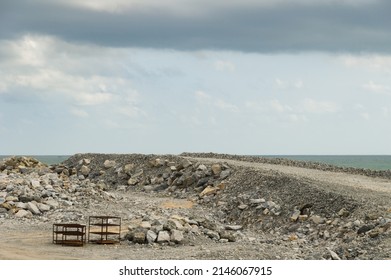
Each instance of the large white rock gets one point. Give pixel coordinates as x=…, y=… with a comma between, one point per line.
x=163, y=236
x=85, y=170
x=33, y=208
x=109, y=163
x=23, y=213
x=176, y=236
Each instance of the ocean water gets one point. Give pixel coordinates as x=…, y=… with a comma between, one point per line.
x=382, y=162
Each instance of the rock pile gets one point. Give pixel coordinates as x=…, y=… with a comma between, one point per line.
x=151, y=173
x=21, y=165
x=289, y=210
x=179, y=230
x=29, y=189
x=296, y=163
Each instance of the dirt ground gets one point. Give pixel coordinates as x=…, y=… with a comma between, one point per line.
x=32, y=238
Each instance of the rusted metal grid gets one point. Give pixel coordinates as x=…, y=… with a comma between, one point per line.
x=69, y=234
x=104, y=229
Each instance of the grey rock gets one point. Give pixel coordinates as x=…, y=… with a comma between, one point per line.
x=85, y=170
x=224, y=174
x=256, y=201
x=23, y=213
x=364, y=229
x=176, y=236
x=35, y=183
x=163, y=236
x=318, y=219
x=109, y=163
x=52, y=203
x=21, y=205
x=173, y=224
x=228, y=235
x=216, y=169
x=213, y=234
x=186, y=163
x=11, y=198
x=129, y=168
x=139, y=237
x=132, y=181
x=243, y=206
x=202, y=167
x=343, y=213
x=43, y=207
x=151, y=236
x=33, y=208
x=295, y=215
x=233, y=227
x=333, y=255
x=145, y=224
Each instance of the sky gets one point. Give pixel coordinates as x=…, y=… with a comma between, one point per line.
x=266, y=77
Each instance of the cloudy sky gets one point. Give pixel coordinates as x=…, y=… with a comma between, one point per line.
x=168, y=76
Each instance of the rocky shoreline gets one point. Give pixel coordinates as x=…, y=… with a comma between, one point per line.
x=226, y=203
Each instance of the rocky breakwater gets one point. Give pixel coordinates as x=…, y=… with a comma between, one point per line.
x=320, y=224
x=168, y=174
x=30, y=189
x=295, y=163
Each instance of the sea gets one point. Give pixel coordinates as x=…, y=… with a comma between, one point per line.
x=374, y=162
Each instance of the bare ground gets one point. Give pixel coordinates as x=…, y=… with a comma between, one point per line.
x=32, y=239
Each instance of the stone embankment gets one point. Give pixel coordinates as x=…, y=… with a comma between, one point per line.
x=236, y=203
x=288, y=162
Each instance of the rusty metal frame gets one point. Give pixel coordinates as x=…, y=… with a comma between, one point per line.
x=69, y=234
x=106, y=229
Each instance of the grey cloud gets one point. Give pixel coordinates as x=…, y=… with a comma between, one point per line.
x=281, y=28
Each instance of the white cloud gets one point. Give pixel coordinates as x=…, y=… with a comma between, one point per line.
x=365, y=115
x=288, y=85
x=297, y=118
x=223, y=65
x=371, y=62
x=313, y=106
x=386, y=112
x=378, y=88
x=278, y=107
x=91, y=99
x=226, y=106
x=202, y=96
x=79, y=112
x=217, y=103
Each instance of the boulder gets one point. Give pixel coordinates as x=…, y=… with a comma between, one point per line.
x=295, y=215
x=23, y=213
x=163, y=236
x=132, y=181
x=129, y=168
x=224, y=174
x=216, y=169
x=109, y=163
x=186, y=163
x=85, y=170
x=176, y=236
x=139, y=237
x=151, y=236
x=33, y=208
x=318, y=219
